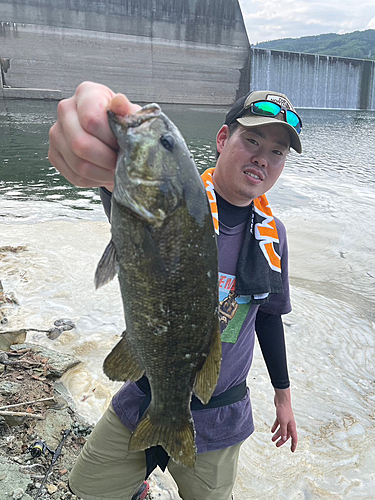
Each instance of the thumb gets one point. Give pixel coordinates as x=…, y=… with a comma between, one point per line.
x=120, y=105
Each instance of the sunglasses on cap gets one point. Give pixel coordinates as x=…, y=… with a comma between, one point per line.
x=272, y=109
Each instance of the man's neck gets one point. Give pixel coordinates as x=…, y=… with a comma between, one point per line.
x=229, y=214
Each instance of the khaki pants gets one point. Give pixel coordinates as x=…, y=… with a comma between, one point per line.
x=106, y=469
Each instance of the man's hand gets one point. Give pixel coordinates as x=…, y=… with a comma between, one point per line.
x=82, y=146
x=284, y=426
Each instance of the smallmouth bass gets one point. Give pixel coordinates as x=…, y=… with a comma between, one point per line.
x=163, y=248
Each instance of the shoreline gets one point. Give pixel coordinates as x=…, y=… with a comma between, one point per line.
x=45, y=413
x=37, y=409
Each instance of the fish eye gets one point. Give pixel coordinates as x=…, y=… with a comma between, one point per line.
x=168, y=141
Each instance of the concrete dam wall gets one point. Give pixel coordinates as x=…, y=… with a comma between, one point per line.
x=169, y=51
x=315, y=81
x=179, y=51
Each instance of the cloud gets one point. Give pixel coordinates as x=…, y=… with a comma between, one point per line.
x=271, y=19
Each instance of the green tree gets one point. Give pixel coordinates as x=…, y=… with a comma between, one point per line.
x=359, y=44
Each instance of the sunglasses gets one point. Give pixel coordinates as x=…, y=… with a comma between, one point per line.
x=269, y=108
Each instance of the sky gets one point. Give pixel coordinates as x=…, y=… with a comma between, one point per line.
x=272, y=19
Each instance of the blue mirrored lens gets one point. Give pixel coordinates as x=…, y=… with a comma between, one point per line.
x=294, y=120
x=266, y=108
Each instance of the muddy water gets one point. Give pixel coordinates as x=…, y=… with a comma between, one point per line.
x=326, y=198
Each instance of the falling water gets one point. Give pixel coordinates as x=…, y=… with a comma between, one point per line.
x=315, y=81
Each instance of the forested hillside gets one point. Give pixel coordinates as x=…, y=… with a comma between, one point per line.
x=359, y=44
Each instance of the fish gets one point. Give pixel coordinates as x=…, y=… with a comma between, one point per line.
x=163, y=248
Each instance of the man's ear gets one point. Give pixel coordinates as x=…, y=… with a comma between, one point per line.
x=222, y=137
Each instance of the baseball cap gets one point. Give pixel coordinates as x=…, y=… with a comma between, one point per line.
x=242, y=113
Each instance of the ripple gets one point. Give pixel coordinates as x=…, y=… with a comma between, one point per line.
x=326, y=199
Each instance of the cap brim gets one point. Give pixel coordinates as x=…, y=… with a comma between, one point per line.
x=258, y=121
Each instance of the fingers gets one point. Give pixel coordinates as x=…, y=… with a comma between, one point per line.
x=283, y=433
x=82, y=146
x=96, y=146
x=281, y=436
x=91, y=102
x=294, y=437
x=82, y=159
x=80, y=173
x=275, y=425
x=280, y=440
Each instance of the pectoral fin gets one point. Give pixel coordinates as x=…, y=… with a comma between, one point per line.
x=206, y=378
x=106, y=269
x=121, y=364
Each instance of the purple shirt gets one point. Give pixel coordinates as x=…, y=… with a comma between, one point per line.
x=219, y=428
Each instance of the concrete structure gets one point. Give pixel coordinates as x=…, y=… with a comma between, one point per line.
x=315, y=81
x=169, y=51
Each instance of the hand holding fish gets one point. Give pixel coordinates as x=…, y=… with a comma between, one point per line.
x=82, y=146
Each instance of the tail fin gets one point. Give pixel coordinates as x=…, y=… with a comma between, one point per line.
x=177, y=438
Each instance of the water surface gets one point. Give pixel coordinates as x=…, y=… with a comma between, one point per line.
x=325, y=197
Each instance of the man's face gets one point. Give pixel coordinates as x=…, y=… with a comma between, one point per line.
x=250, y=162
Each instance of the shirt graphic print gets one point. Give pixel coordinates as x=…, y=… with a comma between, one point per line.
x=233, y=308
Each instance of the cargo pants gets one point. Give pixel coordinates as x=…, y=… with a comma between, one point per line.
x=107, y=470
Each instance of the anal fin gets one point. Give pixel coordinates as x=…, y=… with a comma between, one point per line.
x=206, y=379
x=120, y=364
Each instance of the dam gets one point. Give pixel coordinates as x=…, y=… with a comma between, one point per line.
x=169, y=51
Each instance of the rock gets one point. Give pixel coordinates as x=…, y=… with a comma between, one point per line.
x=51, y=488
x=50, y=429
x=12, y=337
x=58, y=363
x=13, y=420
x=18, y=494
x=54, y=333
x=14, y=481
x=8, y=388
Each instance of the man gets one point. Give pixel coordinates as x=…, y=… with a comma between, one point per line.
x=252, y=148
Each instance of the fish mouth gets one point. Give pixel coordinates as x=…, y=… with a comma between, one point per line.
x=147, y=113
